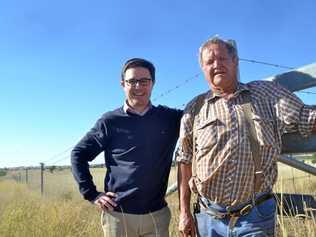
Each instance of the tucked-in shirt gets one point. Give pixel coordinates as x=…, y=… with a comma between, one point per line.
x=223, y=157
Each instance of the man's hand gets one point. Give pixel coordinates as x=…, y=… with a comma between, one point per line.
x=186, y=225
x=105, y=201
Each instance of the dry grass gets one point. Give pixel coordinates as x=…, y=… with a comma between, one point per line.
x=290, y=181
x=24, y=213
x=62, y=212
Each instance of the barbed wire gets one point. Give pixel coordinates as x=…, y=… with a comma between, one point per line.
x=57, y=155
x=62, y=159
x=307, y=92
x=186, y=81
x=176, y=87
x=265, y=63
x=198, y=74
x=296, y=177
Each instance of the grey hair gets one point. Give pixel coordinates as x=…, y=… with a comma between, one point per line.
x=230, y=45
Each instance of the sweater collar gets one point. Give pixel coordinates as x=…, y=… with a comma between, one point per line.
x=129, y=109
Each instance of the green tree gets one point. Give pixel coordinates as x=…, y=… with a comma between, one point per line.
x=52, y=168
x=3, y=172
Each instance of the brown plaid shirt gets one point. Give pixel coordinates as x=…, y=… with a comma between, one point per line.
x=224, y=164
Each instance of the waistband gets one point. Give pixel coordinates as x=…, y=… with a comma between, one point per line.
x=242, y=209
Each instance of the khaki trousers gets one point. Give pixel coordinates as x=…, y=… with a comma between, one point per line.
x=119, y=224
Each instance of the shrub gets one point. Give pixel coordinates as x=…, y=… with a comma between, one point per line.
x=3, y=172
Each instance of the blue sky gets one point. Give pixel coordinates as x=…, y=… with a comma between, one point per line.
x=60, y=61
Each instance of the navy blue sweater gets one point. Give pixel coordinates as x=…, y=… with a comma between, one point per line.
x=138, y=153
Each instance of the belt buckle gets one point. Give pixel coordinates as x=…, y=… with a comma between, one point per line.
x=245, y=210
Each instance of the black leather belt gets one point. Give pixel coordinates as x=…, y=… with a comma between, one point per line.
x=239, y=210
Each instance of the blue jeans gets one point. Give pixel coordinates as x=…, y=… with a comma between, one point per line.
x=260, y=222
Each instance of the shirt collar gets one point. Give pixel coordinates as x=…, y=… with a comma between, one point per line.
x=241, y=88
x=129, y=109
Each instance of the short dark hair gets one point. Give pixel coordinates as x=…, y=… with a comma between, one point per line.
x=139, y=62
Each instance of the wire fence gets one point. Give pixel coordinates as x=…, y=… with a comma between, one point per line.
x=25, y=175
x=58, y=180
x=55, y=159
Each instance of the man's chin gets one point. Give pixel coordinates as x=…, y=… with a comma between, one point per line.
x=140, y=102
x=219, y=82
x=218, y=79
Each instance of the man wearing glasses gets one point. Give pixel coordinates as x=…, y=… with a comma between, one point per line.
x=138, y=141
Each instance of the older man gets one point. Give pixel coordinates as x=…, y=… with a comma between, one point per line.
x=230, y=140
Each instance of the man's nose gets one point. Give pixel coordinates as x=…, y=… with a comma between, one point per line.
x=137, y=84
x=217, y=63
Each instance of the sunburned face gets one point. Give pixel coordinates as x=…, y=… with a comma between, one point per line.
x=137, y=85
x=219, y=68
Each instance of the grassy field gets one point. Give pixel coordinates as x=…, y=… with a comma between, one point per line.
x=62, y=212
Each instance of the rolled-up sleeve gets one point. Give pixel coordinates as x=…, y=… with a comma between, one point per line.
x=307, y=120
x=295, y=115
x=184, y=152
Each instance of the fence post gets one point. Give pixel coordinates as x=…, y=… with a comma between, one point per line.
x=26, y=175
x=42, y=178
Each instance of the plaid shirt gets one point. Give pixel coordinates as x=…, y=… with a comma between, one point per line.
x=224, y=164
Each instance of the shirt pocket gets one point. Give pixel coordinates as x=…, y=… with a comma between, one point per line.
x=265, y=128
x=206, y=133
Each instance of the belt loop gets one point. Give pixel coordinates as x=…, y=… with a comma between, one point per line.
x=232, y=222
x=203, y=201
x=253, y=198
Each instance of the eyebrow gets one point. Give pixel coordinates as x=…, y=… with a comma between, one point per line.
x=139, y=79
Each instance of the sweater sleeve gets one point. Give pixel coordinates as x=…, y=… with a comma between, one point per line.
x=88, y=148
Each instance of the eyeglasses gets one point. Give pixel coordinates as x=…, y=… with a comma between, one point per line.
x=142, y=82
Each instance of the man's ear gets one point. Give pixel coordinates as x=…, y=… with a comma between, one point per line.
x=235, y=60
x=122, y=83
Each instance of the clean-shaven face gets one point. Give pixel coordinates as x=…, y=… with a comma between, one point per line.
x=137, y=85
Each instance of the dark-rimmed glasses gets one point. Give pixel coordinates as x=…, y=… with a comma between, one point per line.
x=142, y=82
